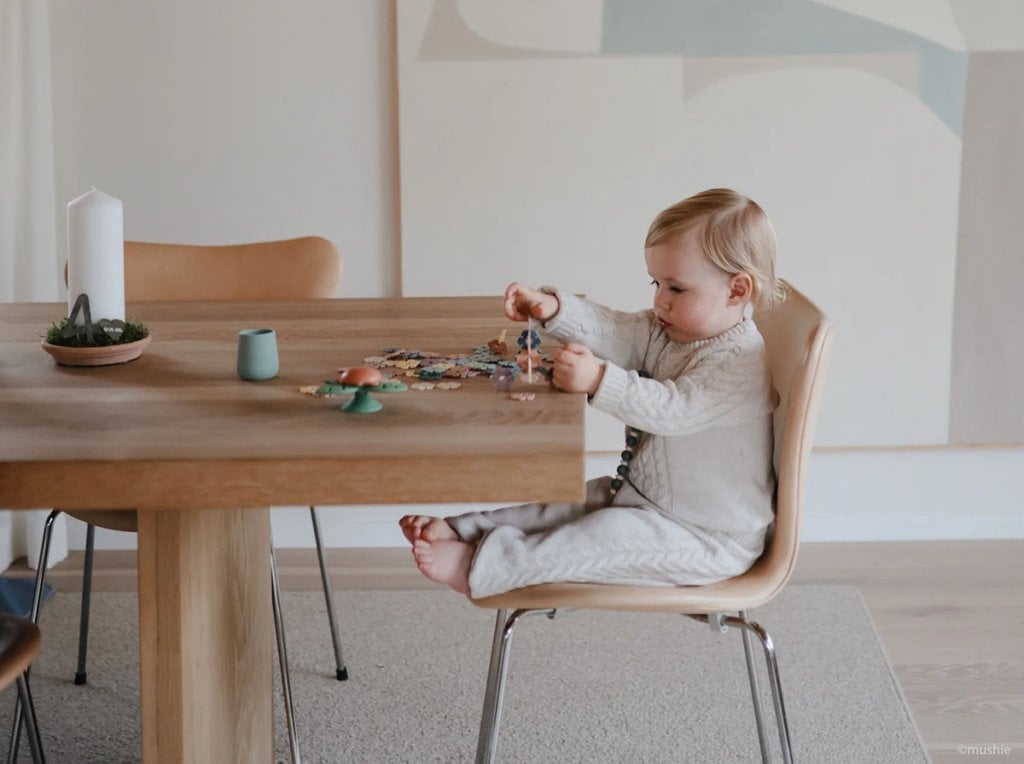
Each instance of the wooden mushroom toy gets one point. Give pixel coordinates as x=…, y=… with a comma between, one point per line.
x=360, y=376
x=364, y=379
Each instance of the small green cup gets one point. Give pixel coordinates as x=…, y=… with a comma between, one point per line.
x=257, y=354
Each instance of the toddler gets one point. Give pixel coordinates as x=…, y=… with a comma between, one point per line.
x=693, y=498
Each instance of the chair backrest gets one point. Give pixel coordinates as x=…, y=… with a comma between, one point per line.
x=300, y=268
x=798, y=339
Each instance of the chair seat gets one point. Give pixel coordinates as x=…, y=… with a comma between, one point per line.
x=111, y=519
x=19, y=644
x=744, y=592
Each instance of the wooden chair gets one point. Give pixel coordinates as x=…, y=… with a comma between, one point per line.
x=798, y=338
x=19, y=645
x=301, y=268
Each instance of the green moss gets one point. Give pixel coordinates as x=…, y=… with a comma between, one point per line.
x=104, y=332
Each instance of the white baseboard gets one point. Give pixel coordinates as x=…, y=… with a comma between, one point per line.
x=912, y=494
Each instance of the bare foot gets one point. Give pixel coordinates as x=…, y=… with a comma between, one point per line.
x=428, y=528
x=446, y=562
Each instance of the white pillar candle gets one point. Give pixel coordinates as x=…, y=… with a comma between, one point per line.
x=96, y=254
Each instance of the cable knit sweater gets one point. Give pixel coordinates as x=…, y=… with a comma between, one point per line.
x=705, y=457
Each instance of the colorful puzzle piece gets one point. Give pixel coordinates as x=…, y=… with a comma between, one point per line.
x=430, y=368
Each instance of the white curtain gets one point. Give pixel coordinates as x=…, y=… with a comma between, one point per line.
x=28, y=251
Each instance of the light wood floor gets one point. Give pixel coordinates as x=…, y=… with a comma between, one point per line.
x=950, y=615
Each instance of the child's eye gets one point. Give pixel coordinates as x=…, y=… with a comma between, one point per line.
x=672, y=289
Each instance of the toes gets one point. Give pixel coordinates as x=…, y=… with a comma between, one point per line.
x=412, y=527
x=421, y=550
x=438, y=530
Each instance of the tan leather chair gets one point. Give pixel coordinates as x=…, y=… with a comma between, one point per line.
x=798, y=338
x=19, y=645
x=300, y=268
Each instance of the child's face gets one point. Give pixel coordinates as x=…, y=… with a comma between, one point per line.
x=693, y=300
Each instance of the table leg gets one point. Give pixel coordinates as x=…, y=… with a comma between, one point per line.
x=206, y=636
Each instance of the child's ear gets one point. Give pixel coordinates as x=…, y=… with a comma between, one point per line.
x=741, y=288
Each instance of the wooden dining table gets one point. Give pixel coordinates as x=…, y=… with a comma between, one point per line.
x=202, y=455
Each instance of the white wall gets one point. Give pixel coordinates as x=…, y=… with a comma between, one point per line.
x=555, y=163
x=254, y=119
x=237, y=120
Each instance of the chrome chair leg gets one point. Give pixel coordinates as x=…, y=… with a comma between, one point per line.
x=755, y=692
x=490, y=719
x=282, y=655
x=341, y=671
x=83, y=621
x=37, y=599
x=35, y=741
x=44, y=559
x=12, y=749
x=773, y=677
x=491, y=689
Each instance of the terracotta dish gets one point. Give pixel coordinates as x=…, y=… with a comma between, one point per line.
x=106, y=355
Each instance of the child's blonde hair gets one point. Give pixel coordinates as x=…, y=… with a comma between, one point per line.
x=735, y=234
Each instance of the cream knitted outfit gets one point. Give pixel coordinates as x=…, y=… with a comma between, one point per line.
x=699, y=497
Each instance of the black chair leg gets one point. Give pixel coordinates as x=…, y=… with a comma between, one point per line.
x=44, y=560
x=35, y=741
x=83, y=623
x=282, y=657
x=37, y=599
x=341, y=670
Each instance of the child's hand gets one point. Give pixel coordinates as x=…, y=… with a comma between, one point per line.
x=521, y=303
x=577, y=370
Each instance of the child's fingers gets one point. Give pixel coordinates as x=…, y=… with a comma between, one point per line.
x=565, y=356
x=519, y=302
x=513, y=312
x=509, y=303
x=567, y=366
x=565, y=374
x=577, y=349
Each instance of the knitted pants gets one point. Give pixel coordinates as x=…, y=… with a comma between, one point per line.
x=625, y=541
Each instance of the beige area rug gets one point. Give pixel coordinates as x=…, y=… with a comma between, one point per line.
x=584, y=687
